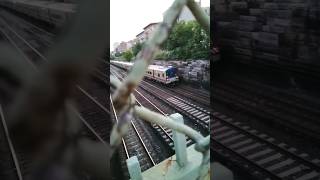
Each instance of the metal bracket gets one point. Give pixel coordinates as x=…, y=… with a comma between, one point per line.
x=180, y=144
x=134, y=168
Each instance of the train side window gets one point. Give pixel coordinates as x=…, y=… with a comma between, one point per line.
x=158, y=75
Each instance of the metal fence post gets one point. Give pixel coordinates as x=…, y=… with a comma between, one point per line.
x=179, y=140
x=134, y=168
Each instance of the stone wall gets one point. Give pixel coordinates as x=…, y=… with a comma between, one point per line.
x=268, y=30
x=190, y=71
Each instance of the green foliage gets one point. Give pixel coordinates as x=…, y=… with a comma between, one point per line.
x=162, y=55
x=187, y=41
x=112, y=57
x=118, y=54
x=137, y=48
x=128, y=55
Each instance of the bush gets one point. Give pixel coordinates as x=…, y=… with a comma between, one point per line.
x=128, y=55
x=162, y=55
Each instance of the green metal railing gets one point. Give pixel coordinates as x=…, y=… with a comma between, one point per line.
x=124, y=102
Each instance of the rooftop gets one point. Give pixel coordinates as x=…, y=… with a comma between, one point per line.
x=150, y=25
x=139, y=33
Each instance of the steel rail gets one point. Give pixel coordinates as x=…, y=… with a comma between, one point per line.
x=48, y=33
x=83, y=91
x=185, y=112
x=138, y=134
x=153, y=106
x=171, y=91
x=17, y=48
x=199, y=100
x=116, y=117
x=45, y=59
x=30, y=24
x=40, y=29
x=26, y=42
x=273, y=145
x=12, y=149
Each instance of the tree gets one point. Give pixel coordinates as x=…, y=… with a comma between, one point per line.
x=200, y=43
x=118, y=54
x=111, y=55
x=128, y=55
x=161, y=55
x=187, y=40
x=137, y=48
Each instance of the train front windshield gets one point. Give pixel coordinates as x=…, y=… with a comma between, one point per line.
x=172, y=72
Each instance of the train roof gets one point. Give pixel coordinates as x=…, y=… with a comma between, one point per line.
x=151, y=67
x=158, y=68
x=121, y=62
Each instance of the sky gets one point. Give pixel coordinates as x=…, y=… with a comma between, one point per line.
x=129, y=17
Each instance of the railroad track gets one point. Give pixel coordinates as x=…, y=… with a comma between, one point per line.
x=95, y=112
x=94, y=115
x=97, y=87
x=164, y=132
x=200, y=117
x=299, y=69
x=260, y=154
x=291, y=100
x=201, y=98
x=199, y=95
x=8, y=153
x=37, y=40
x=285, y=112
x=134, y=144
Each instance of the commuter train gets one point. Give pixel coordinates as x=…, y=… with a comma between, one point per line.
x=55, y=13
x=162, y=74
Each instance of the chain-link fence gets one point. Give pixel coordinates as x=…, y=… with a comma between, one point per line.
x=124, y=101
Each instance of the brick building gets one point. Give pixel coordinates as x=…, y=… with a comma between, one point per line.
x=122, y=47
x=149, y=30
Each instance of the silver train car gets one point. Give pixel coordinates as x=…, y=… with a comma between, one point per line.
x=56, y=13
x=162, y=74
